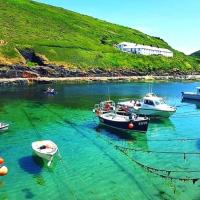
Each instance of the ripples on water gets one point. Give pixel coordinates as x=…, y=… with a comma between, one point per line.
x=91, y=167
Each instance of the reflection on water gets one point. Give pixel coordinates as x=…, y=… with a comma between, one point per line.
x=190, y=101
x=114, y=133
x=31, y=164
x=163, y=122
x=123, y=138
x=27, y=193
x=198, y=144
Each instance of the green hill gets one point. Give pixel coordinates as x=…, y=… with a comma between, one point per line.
x=67, y=38
x=196, y=54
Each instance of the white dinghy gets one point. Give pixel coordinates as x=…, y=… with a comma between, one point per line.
x=45, y=149
x=3, y=126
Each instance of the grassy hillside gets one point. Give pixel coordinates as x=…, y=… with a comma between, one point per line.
x=75, y=40
x=196, y=54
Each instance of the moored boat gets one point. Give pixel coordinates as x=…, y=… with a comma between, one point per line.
x=45, y=149
x=150, y=105
x=127, y=122
x=50, y=91
x=192, y=95
x=4, y=126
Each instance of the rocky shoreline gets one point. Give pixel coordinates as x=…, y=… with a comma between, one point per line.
x=22, y=75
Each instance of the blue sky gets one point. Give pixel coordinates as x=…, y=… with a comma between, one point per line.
x=176, y=21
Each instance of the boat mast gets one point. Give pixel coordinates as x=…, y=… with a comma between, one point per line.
x=150, y=88
x=108, y=93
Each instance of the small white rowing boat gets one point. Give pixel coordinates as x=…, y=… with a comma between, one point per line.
x=3, y=126
x=45, y=149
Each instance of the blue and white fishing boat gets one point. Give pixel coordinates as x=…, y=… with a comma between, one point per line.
x=192, y=95
x=119, y=118
x=124, y=122
x=150, y=105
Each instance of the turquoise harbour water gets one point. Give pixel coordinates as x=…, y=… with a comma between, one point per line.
x=91, y=167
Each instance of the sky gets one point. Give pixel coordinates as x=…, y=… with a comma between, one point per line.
x=175, y=21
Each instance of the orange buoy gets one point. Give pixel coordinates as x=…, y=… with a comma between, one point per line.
x=3, y=170
x=130, y=126
x=97, y=112
x=1, y=160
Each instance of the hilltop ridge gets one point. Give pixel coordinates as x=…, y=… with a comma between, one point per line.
x=196, y=54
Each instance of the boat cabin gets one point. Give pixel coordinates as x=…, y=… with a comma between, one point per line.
x=153, y=101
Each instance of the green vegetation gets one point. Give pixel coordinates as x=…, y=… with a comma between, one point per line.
x=196, y=54
x=75, y=40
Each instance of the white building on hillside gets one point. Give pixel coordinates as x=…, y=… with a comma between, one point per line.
x=143, y=49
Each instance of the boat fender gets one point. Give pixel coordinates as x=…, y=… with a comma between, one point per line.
x=97, y=112
x=130, y=126
x=3, y=170
x=1, y=160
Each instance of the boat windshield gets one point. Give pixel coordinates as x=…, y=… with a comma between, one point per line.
x=149, y=102
x=160, y=102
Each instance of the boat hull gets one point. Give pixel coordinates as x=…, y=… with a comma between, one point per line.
x=154, y=112
x=4, y=127
x=192, y=96
x=140, y=126
x=142, y=109
x=47, y=157
x=50, y=93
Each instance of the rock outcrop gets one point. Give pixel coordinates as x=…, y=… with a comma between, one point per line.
x=53, y=71
x=23, y=75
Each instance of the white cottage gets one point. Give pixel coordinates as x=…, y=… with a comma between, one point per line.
x=143, y=49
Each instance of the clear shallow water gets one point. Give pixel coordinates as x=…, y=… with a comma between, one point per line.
x=91, y=168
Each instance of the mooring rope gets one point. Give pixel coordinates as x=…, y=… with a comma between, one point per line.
x=32, y=124
x=158, y=152
x=40, y=137
x=169, y=140
x=184, y=105
x=154, y=170
x=64, y=121
x=167, y=171
x=148, y=168
x=183, y=116
x=74, y=126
